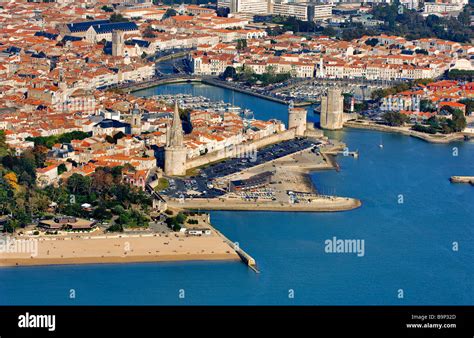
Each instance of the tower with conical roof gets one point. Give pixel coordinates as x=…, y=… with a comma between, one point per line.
x=175, y=151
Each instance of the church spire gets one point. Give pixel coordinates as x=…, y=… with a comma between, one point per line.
x=176, y=130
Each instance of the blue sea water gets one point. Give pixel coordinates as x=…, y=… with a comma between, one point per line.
x=408, y=246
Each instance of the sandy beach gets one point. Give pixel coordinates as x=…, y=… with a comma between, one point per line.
x=125, y=249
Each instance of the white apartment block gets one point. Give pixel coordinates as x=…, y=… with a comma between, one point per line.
x=302, y=10
x=382, y=72
x=202, y=65
x=438, y=7
x=299, y=11
x=254, y=7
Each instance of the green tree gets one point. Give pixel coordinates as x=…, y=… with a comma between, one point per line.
x=181, y=218
x=101, y=213
x=372, y=42
x=329, y=31
x=49, y=141
x=246, y=73
x=241, y=44
x=458, y=121
x=116, y=17
x=78, y=184
x=169, y=13
x=394, y=119
x=61, y=168
x=433, y=122
x=107, y=9
x=149, y=32
x=229, y=72
x=469, y=103
x=427, y=106
x=413, y=25
x=116, y=227
x=38, y=202
x=424, y=129
x=3, y=144
x=461, y=75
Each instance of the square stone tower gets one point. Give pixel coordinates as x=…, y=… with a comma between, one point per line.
x=117, y=43
x=332, y=109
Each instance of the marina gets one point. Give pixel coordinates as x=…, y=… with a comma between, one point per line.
x=187, y=101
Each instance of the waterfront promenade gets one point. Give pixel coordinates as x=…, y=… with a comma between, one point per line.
x=264, y=93
x=438, y=138
x=462, y=179
x=321, y=204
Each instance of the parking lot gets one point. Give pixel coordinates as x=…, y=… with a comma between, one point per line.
x=202, y=185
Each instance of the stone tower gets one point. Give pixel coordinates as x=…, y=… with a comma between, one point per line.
x=297, y=119
x=332, y=105
x=175, y=151
x=62, y=82
x=117, y=43
x=136, y=122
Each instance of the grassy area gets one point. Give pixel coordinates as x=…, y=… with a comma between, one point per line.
x=192, y=172
x=162, y=184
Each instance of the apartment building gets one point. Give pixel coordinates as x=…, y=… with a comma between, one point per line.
x=441, y=7
x=303, y=11
x=254, y=7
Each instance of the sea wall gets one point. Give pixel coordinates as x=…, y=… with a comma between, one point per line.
x=423, y=136
x=239, y=150
x=222, y=84
x=462, y=179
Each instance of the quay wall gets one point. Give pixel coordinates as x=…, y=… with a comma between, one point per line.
x=333, y=204
x=240, y=149
x=244, y=256
x=188, y=79
x=462, y=179
x=159, y=82
x=250, y=92
x=413, y=133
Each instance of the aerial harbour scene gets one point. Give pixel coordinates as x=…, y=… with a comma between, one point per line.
x=253, y=152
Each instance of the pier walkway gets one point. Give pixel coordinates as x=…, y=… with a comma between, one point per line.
x=462, y=179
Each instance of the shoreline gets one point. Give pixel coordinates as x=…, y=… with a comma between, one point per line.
x=207, y=81
x=86, y=249
x=221, y=84
x=329, y=205
x=114, y=260
x=398, y=130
